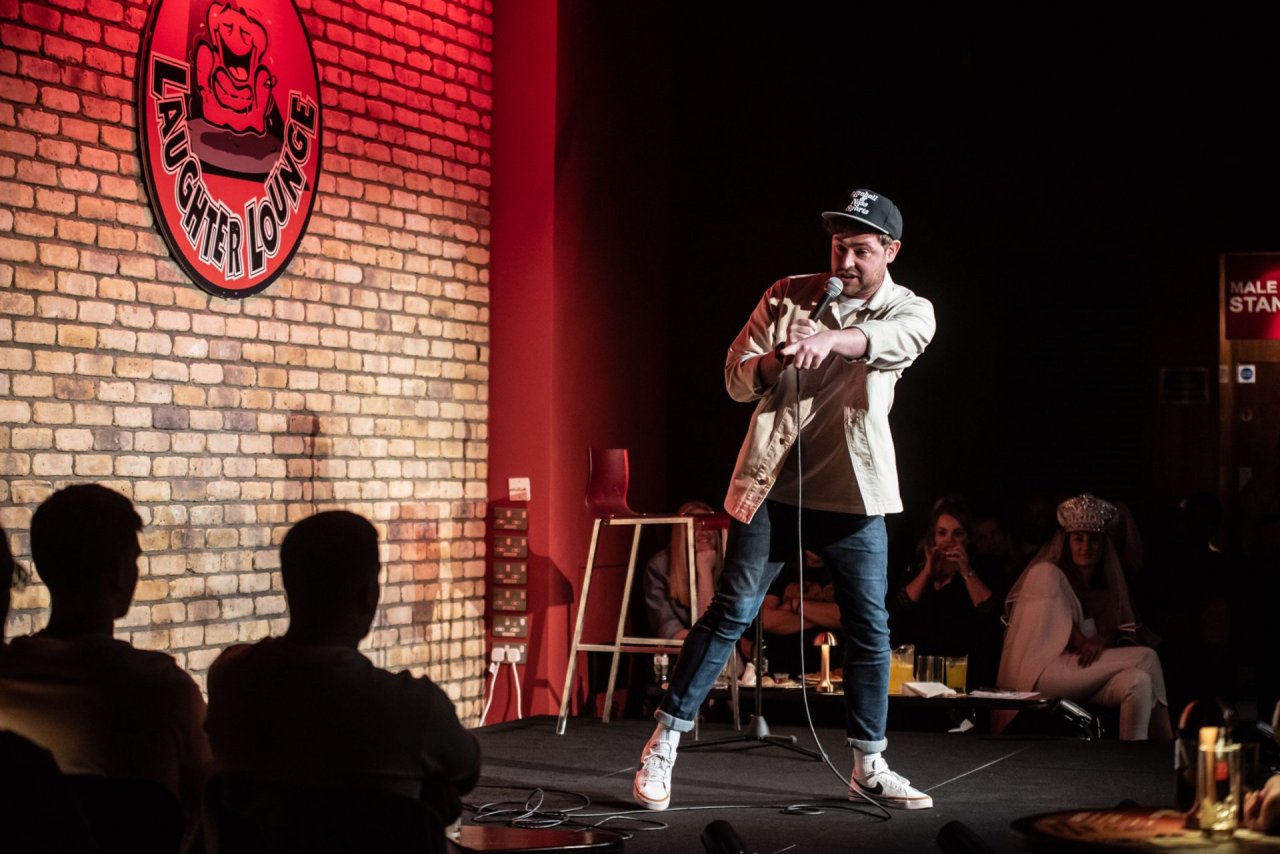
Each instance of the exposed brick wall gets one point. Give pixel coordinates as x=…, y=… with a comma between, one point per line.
x=357, y=380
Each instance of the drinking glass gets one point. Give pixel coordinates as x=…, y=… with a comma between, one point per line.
x=1219, y=771
x=957, y=672
x=931, y=668
x=902, y=662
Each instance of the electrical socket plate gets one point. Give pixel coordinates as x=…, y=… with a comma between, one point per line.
x=515, y=652
x=510, y=599
x=509, y=572
x=511, y=625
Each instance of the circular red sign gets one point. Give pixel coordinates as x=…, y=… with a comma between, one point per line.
x=229, y=130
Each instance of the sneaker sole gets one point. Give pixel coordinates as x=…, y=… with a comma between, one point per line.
x=859, y=795
x=648, y=804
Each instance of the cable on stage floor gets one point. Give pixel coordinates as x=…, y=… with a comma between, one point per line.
x=533, y=812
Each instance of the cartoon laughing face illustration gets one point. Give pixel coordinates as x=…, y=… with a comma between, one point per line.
x=234, y=84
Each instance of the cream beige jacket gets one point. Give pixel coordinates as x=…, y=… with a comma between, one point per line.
x=898, y=325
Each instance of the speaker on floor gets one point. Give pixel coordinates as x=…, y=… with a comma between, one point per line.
x=957, y=838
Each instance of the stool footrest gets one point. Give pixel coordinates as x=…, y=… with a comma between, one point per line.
x=631, y=645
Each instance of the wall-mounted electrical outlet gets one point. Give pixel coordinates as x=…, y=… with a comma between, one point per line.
x=510, y=625
x=515, y=652
x=510, y=599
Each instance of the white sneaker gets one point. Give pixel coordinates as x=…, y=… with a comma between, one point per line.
x=652, y=787
x=888, y=789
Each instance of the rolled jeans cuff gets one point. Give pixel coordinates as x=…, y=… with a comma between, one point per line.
x=673, y=723
x=876, y=746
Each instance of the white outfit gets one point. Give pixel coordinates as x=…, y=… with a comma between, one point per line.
x=1043, y=609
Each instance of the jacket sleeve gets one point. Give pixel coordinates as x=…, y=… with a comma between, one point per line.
x=757, y=338
x=1043, y=610
x=897, y=339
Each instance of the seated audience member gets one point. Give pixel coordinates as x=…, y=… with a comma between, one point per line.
x=1033, y=524
x=97, y=704
x=1188, y=594
x=1071, y=626
x=992, y=549
x=1257, y=598
x=666, y=577
x=789, y=636
x=950, y=606
x=309, y=711
x=1127, y=541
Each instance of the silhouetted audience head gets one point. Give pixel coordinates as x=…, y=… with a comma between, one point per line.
x=329, y=565
x=84, y=542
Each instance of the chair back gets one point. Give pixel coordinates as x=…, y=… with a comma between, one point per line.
x=246, y=816
x=38, y=809
x=608, y=475
x=129, y=815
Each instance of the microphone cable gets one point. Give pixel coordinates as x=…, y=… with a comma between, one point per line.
x=536, y=811
x=804, y=690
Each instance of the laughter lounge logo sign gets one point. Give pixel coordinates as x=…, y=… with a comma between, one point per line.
x=229, y=127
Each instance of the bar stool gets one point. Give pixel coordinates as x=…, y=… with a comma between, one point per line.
x=608, y=476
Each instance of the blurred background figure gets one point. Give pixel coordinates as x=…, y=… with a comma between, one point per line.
x=666, y=577
x=1187, y=593
x=788, y=636
x=952, y=601
x=993, y=548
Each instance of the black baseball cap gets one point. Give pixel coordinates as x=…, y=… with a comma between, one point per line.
x=870, y=209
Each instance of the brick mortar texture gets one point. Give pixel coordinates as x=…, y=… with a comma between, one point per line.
x=358, y=380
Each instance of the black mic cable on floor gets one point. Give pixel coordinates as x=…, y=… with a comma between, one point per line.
x=804, y=690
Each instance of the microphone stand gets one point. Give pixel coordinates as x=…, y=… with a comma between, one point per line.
x=757, y=732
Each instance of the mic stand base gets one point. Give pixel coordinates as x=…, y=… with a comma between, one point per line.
x=756, y=735
x=757, y=732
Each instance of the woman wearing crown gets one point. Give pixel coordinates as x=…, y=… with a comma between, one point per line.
x=1071, y=627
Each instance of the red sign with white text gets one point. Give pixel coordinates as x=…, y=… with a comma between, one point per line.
x=1252, y=295
x=229, y=130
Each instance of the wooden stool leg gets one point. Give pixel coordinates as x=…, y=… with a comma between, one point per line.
x=577, y=630
x=622, y=622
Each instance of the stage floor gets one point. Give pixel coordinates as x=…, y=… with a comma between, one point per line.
x=982, y=781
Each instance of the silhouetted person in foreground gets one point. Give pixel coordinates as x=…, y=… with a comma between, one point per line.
x=97, y=704
x=9, y=574
x=37, y=807
x=308, y=710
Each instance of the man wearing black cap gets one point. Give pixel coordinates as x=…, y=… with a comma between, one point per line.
x=819, y=439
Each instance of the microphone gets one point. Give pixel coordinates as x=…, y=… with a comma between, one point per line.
x=833, y=288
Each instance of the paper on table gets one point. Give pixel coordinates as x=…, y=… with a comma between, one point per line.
x=998, y=694
x=928, y=689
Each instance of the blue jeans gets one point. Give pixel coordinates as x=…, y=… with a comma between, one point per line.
x=854, y=549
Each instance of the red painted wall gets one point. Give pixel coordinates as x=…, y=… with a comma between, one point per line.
x=579, y=280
